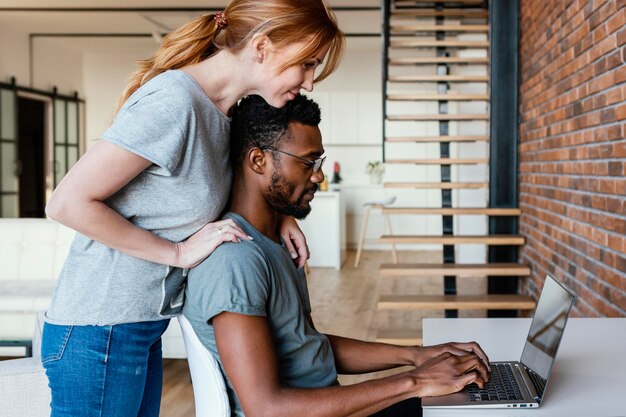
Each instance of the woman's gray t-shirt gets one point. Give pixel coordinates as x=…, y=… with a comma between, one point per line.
x=172, y=123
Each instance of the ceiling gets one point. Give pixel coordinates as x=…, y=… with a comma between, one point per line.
x=98, y=24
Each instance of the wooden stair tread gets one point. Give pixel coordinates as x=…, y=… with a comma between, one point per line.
x=438, y=78
x=453, y=211
x=436, y=185
x=493, y=240
x=456, y=302
x=402, y=337
x=408, y=13
x=412, y=28
x=419, y=43
x=458, y=270
x=439, y=161
x=438, y=60
x=428, y=117
x=463, y=138
x=437, y=97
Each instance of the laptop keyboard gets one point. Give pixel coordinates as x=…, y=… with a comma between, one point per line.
x=501, y=386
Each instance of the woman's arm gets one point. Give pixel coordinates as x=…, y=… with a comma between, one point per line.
x=247, y=351
x=295, y=241
x=78, y=202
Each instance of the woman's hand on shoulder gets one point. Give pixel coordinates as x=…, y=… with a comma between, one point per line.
x=295, y=241
x=201, y=244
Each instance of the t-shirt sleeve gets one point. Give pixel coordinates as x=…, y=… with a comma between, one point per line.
x=234, y=278
x=152, y=125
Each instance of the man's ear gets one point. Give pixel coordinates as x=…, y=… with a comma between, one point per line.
x=262, y=46
x=257, y=160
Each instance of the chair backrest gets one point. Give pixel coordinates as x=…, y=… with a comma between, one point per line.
x=209, y=389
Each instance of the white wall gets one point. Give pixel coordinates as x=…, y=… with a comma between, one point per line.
x=57, y=66
x=105, y=76
x=13, y=56
x=53, y=64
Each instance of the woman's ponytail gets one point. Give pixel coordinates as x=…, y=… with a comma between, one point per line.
x=189, y=44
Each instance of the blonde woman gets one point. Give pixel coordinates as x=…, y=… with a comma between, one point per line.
x=145, y=197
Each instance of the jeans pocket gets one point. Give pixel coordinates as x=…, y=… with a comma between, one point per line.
x=54, y=341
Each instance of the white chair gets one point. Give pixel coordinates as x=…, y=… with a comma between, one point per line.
x=209, y=389
x=377, y=204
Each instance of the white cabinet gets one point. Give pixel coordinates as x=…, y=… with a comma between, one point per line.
x=325, y=230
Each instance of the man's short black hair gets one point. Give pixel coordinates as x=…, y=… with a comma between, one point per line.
x=256, y=124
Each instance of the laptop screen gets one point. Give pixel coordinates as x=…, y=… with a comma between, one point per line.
x=547, y=327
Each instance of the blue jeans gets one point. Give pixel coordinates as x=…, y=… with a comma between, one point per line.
x=104, y=371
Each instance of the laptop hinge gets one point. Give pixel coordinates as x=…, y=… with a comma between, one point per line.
x=528, y=382
x=535, y=390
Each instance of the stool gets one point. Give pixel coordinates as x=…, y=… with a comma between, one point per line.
x=378, y=204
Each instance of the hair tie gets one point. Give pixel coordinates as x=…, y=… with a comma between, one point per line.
x=220, y=20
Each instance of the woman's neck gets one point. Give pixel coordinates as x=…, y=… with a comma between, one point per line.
x=223, y=79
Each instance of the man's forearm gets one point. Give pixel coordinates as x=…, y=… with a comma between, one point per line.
x=358, y=400
x=356, y=357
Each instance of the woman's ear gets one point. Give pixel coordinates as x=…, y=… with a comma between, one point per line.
x=262, y=46
x=257, y=160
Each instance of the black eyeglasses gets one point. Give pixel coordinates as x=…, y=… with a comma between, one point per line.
x=316, y=164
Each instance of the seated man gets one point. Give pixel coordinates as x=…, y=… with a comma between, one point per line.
x=249, y=304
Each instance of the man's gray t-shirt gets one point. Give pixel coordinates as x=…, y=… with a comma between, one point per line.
x=172, y=123
x=258, y=278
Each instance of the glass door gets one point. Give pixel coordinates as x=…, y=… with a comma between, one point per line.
x=9, y=159
x=66, y=137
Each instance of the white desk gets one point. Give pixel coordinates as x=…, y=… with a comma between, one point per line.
x=589, y=378
x=325, y=231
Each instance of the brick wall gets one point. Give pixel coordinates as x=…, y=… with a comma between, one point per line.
x=572, y=149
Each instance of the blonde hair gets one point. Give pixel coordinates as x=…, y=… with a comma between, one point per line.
x=284, y=22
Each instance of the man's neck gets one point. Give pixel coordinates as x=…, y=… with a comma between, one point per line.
x=252, y=206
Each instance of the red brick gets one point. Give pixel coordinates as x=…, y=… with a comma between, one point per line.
x=620, y=111
x=621, y=37
x=572, y=150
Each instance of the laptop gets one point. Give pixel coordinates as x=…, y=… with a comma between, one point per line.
x=521, y=384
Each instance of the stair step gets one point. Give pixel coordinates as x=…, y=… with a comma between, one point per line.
x=456, y=302
x=492, y=240
x=453, y=211
x=464, y=138
x=438, y=78
x=439, y=161
x=429, y=117
x=438, y=60
x=399, y=337
x=436, y=185
x=400, y=28
x=409, y=13
x=418, y=43
x=458, y=270
x=437, y=97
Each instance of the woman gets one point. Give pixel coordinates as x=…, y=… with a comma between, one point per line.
x=144, y=199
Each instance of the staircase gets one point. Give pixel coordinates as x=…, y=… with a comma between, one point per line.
x=435, y=77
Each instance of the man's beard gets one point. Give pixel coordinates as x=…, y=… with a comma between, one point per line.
x=278, y=192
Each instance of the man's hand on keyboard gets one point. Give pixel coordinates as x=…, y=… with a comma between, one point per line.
x=455, y=348
x=448, y=373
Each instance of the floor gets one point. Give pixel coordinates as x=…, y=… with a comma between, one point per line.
x=344, y=303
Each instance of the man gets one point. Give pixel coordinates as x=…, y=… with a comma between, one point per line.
x=249, y=304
